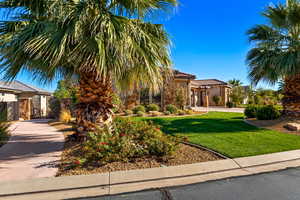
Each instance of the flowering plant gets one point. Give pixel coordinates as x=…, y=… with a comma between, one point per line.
x=128, y=139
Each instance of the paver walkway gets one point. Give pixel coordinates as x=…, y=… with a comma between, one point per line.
x=219, y=109
x=32, y=151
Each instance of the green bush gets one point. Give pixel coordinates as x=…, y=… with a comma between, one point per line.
x=251, y=111
x=4, y=130
x=230, y=104
x=217, y=100
x=152, y=107
x=172, y=109
x=140, y=114
x=128, y=140
x=268, y=113
x=139, y=108
x=128, y=112
x=117, y=102
x=167, y=113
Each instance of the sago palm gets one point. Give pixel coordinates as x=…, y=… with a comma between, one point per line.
x=276, y=52
x=104, y=42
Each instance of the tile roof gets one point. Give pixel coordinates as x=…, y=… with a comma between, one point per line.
x=21, y=87
x=179, y=74
x=209, y=82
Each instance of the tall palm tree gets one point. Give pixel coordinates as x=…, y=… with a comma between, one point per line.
x=235, y=82
x=276, y=52
x=103, y=42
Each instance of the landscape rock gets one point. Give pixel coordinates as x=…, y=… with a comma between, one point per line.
x=292, y=126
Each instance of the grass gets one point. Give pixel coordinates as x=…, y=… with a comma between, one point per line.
x=228, y=134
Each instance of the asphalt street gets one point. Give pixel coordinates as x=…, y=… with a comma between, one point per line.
x=281, y=185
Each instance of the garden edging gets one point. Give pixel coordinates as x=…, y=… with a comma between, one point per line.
x=136, y=180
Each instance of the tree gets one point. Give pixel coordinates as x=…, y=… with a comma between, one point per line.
x=235, y=82
x=101, y=41
x=275, y=55
x=66, y=89
x=237, y=95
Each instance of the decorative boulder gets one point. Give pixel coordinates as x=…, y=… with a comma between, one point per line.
x=292, y=126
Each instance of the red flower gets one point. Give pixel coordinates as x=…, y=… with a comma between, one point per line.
x=77, y=162
x=158, y=129
x=122, y=134
x=103, y=143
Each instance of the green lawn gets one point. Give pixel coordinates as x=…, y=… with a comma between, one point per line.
x=228, y=134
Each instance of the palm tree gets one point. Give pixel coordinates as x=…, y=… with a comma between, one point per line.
x=235, y=82
x=103, y=42
x=276, y=51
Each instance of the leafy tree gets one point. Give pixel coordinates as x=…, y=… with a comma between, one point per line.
x=101, y=41
x=66, y=89
x=180, y=97
x=237, y=95
x=275, y=55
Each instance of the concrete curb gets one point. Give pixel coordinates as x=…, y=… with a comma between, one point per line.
x=136, y=180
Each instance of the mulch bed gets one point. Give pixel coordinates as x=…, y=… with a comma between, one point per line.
x=185, y=155
x=277, y=125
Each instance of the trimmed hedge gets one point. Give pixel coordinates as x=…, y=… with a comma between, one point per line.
x=172, y=109
x=268, y=113
x=139, y=108
x=152, y=107
x=251, y=111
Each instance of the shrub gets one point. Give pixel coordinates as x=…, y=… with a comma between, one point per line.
x=172, y=109
x=230, y=104
x=167, y=113
x=139, y=108
x=251, y=110
x=54, y=108
x=180, y=97
x=217, y=100
x=152, y=107
x=128, y=140
x=140, y=114
x=128, y=112
x=181, y=112
x=118, y=105
x=267, y=113
x=65, y=116
x=4, y=130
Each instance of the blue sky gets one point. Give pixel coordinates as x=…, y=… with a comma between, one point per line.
x=208, y=38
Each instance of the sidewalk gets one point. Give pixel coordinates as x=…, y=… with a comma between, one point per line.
x=137, y=180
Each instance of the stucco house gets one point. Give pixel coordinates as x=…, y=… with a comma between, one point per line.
x=198, y=93
x=22, y=101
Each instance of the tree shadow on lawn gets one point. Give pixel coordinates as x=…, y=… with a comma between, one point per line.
x=203, y=125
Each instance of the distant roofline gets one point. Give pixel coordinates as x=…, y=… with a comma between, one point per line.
x=221, y=83
x=32, y=89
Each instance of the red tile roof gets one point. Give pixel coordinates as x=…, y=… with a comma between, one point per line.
x=179, y=74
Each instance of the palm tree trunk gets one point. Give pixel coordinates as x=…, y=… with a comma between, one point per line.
x=291, y=100
x=94, y=109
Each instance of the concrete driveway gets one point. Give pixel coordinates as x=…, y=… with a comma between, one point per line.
x=32, y=151
x=219, y=109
